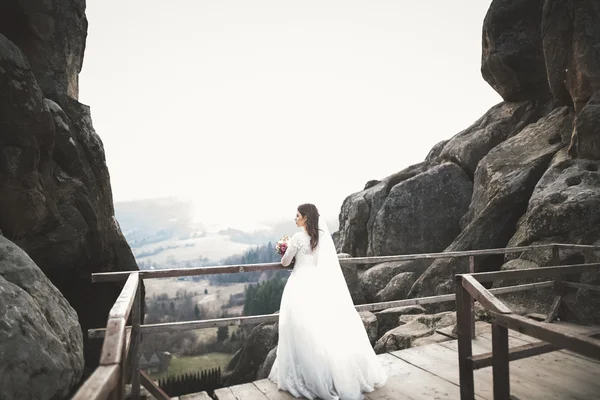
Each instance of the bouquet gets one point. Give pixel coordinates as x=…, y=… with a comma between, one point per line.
x=282, y=245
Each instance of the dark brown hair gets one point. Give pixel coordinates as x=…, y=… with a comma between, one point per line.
x=310, y=212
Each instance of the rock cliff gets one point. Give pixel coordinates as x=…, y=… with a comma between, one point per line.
x=55, y=194
x=525, y=173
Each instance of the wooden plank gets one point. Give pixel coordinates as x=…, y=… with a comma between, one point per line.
x=550, y=333
x=151, y=386
x=593, y=288
x=553, y=312
x=195, y=396
x=135, y=333
x=179, y=272
x=407, y=381
x=406, y=302
x=271, y=392
x=464, y=305
x=100, y=384
x=515, y=353
x=500, y=362
x=122, y=306
x=472, y=271
x=520, y=288
x=539, y=377
x=114, y=342
x=225, y=394
x=529, y=339
x=481, y=294
x=536, y=272
x=443, y=362
x=247, y=391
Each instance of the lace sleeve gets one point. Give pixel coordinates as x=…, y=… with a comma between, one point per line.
x=292, y=249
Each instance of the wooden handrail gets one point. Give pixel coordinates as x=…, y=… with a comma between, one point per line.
x=468, y=287
x=100, y=384
x=549, y=333
x=237, y=268
x=482, y=295
x=107, y=380
x=257, y=319
x=536, y=272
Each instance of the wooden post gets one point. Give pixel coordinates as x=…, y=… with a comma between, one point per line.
x=500, y=362
x=555, y=256
x=472, y=271
x=464, y=305
x=135, y=344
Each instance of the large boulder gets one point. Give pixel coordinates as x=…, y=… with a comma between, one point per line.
x=245, y=364
x=359, y=211
x=267, y=365
x=417, y=326
x=504, y=182
x=41, y=343
x=422, y=214
x=501, y=122
x=512, y=57
x=585, y=142
x=571, y=33
x=378, y=277
x=371, y=325
x=530, y=301
x=565, y=208
x=350, y=272
x=55, y=195
x=388, y=319
x=565, y=203
x=398, y=288
x=52, y=34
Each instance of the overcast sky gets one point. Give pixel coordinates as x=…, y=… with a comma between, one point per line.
x=238, y=105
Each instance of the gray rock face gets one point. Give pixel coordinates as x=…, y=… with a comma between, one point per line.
x=501, y=122
x=422, y=214
x=419, y=326
x=359, y=211
x=41, y=344
x=376, y=279
x=265, y=368
x=565, y=203
x=55, y=196
x=570, y=34
x=512, y=59
x=585, y=141
x=245, y=364
x=52, y=35
x=398, y=288
x=370, y=322
x=350, y=272
x=535, y=300
x=504, y=181
x=565, y=208
x=388, y=318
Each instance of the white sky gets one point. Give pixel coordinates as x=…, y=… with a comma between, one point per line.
x=235, y=104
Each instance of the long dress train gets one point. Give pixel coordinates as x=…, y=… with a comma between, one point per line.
x=323, y=350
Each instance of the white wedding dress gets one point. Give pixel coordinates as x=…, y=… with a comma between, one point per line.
x=323, y=350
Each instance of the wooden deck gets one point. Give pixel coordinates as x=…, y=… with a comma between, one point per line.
x=431, y=372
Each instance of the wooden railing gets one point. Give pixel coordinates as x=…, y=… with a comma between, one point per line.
x=119, y=350
x=119, y=357
x=552, y=337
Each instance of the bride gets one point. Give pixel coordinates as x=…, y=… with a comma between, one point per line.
x=323, y=350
